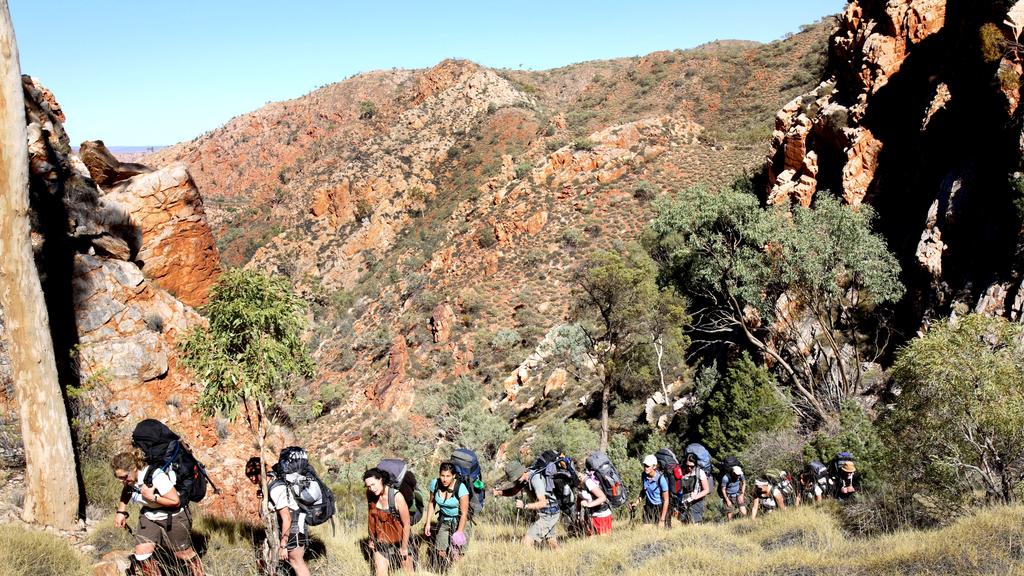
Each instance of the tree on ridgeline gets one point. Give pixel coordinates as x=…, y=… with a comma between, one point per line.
x=958, y=421
x=803, y=287
x=250, y=355
x=51, y=486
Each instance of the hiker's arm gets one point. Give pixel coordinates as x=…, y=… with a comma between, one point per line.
x=755, y=508
x=780, y=500
x=403, y=514
x=429, y=515
x=371, y=525
x=121, y=516
x=664, y=506
x=285, y=514
x=743, y=492
x=705, y=489
x=463, y=512
x=599, y=497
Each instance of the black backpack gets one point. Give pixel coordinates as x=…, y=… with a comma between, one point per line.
x=669, y=467
x=163, y=449
x=561, y=479
x=314, y=497
x=402, y=479
x=608, y=477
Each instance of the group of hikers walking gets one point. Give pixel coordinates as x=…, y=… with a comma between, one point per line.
x=163, y=477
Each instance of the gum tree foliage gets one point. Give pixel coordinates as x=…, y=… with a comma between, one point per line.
x=745, y=401
x=631, y=329
x=958, y=422
x=462, y=419
x=250, y=354
x=801, y=286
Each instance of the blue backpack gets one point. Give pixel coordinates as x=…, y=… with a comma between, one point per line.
x=467, y=471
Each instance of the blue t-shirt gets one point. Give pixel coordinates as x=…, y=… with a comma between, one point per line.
x=449, y=506
x=732, y=485
x=653, y=487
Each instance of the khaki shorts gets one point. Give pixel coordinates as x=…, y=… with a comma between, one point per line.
x=174, y=533
x=443, y=535
x=544, y=528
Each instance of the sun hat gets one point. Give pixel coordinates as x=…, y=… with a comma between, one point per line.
x=848, y=467
x=650, y=460
x=513, y=472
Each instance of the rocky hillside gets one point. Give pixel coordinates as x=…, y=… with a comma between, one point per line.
x=434, y=217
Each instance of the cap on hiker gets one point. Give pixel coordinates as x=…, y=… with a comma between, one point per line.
x=737, y=471
x=513, y=472
x=650, y=460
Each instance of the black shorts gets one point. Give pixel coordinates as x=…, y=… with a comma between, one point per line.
x=299, y=540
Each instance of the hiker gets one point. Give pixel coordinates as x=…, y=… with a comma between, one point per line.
x=847, y=481
x=390, y=531
x=696, y=487
x=767, y=498
x=734, y=488
x=784, y=482
x=290, y=520
x=450, y=496
x=810, y=491
x=594, y=506
x=655, y=494
x=540, y=499
x=163, y=519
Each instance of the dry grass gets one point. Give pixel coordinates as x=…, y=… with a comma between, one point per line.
x=803, y=542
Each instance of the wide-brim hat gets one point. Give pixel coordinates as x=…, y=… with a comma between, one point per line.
x=513, y=472
x=848, y=467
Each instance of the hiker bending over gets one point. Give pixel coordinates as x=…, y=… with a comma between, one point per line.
x=538, y=498
x=810, y=490
x=594, y=505
x=733, y=490
x=696, y=487
x=291, y=521
x=163, y=519
x=847, y=482
x=655, y=494
x=767, y=498
x=450, y=497
x=390, y=529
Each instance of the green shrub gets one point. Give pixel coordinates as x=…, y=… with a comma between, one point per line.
x=992, y=42
x=523, y=170
x=583, y=144
x=644, y=191
x=367, y=110
x=745, y=401
x=486, y=238
x=505, y=339
x=572, y=238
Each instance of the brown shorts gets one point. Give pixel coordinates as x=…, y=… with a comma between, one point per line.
x=174, y=533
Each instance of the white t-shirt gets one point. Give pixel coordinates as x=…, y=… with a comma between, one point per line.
x=281, y=497
x=163, y=482
x=587, y=496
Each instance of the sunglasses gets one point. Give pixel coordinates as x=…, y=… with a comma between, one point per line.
x=121, y=477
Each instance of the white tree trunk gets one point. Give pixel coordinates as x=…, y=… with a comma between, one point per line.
x=51, y=486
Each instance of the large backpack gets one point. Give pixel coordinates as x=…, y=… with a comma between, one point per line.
x=467, y=473
x=314, y=498
x=608, y=477
x=560, y=477
x=668, y=464
x=403, y=480
x=163, y=449
x=703, y=460
x=784, y=482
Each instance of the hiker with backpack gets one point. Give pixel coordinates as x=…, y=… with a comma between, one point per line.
x=733, y=487
x=810, y=491
x=298, y=499
x=847, y=480
x=450, y=497
x=655, y=495
x=593, y=505
x=539, y=497
x=696, y=485
x=767, y=498
x=389, y=523
x=165, y=518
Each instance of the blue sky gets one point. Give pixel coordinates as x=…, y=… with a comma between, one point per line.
x=151, y=73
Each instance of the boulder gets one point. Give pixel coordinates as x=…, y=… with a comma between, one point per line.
x=104, y=168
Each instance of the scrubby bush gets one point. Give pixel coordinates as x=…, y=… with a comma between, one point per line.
x=583, y=144
x=745, y=401
x=486, y=238
x=644, y=191
x=26, y=552
x=505, y=339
